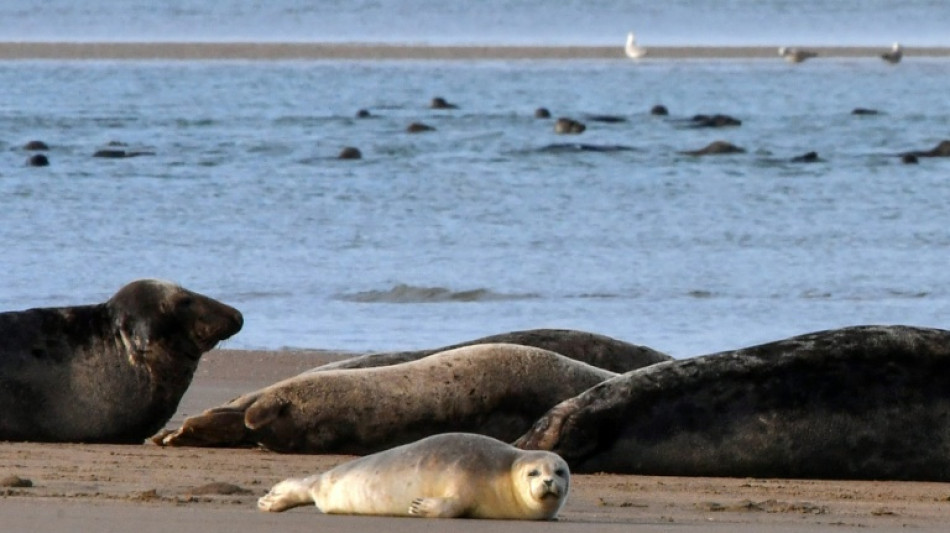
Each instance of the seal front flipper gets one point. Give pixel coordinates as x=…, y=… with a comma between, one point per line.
x=218, y=427
x=436, y=508
x=287, y=494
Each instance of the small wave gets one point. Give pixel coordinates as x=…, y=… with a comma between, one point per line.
x=408, y=294
x=557, y=148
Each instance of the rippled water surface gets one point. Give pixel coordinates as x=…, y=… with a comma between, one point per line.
x=492, y=222
x=697, y=22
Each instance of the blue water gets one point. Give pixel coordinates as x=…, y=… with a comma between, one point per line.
x=696, y=22
x=480, y=227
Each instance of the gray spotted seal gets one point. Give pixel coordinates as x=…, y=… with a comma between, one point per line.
x=497, y=390
x=865, y=402
x=591, y=348
x=109, y=372
x=452, y=475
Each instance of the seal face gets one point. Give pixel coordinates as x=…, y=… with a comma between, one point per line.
x=866, y=402
x=110, y=372
x=452, y=475
x=497, y=390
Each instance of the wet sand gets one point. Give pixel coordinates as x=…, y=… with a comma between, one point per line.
x=373, y=51
x=146, y=488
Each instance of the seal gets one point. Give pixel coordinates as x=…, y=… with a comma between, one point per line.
x=110, y=372
x=591, y=348
x=453, y=475
x=863, y=402
x=497, y=390
x=941, y=150
x=715, y=148
x=568, y=126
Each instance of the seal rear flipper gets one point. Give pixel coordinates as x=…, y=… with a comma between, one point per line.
x=219, y=427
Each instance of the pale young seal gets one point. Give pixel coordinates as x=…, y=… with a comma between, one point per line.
x=453, y=475
x=492, y=389
x=866, y=402
x=591, y=348
x=109, y=372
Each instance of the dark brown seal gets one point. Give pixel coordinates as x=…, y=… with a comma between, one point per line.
x=866, y=402
x=713, y=121
x=36, y=146
x=350, y=152
x=497, y=390
x=418, y=127
x=440, y=103
x=542, y=112
x=715, y=148
x=109, y=372
x=941, y=150
x=568, y=126
x=37, y=160
x=591, y=348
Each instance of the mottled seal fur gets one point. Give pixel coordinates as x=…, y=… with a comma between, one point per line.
x=864, y=402
x=497, y=390
x=453, y=475
x=109, y=372
x=591, y=348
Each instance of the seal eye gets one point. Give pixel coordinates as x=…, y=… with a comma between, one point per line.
x=559, y=472
x=534, y=473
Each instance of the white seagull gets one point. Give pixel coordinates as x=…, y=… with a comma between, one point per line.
x=633, y=51
x=895, y=55
x=795, y=55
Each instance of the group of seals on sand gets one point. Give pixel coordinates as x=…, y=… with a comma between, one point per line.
x=864, y=402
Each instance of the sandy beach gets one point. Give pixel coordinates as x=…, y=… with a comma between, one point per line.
x=147, y=488
x=373, y=51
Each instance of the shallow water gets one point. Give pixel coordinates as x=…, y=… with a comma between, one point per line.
x=481, y=227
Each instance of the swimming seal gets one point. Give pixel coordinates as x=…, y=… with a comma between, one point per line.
x=497, y=390
x=453, y=475
x=110, y=372
x=864, y=402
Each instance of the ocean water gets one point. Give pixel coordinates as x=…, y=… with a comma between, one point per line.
x=493, y=222
x=600, y=22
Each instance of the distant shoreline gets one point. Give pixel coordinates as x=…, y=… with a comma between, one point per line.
x=269, y=51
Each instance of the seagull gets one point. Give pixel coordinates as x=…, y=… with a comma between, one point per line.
x=895, y=55
x=634, y=51
x=794, y=55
